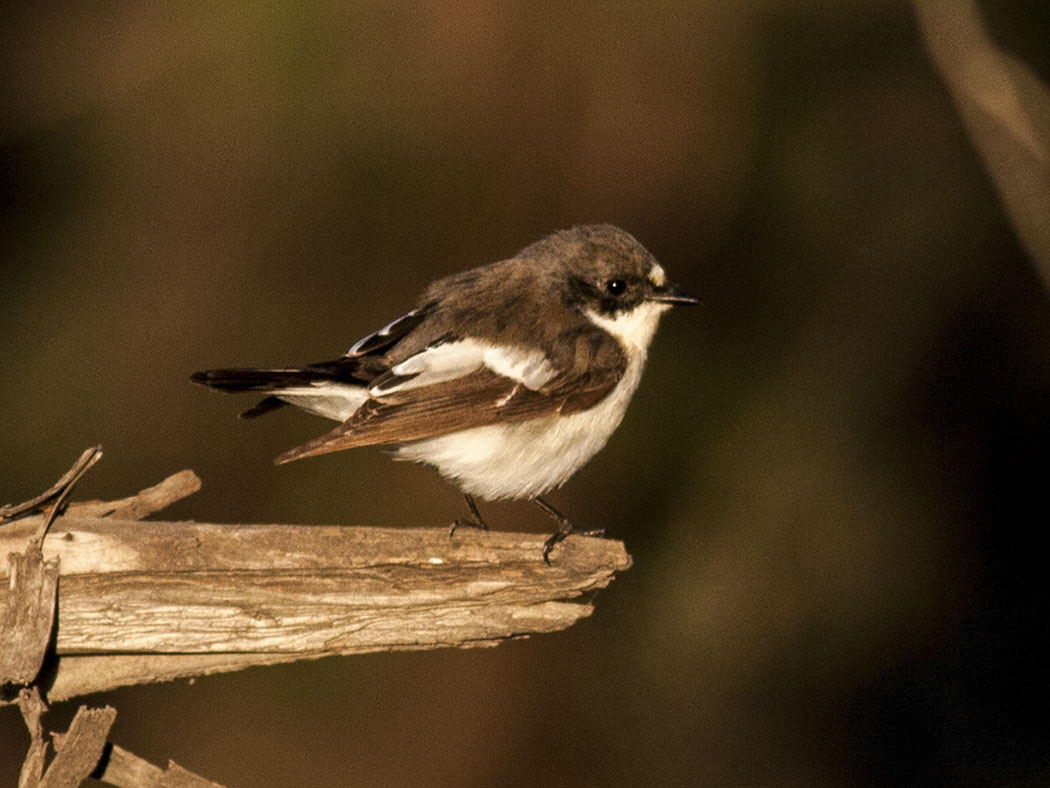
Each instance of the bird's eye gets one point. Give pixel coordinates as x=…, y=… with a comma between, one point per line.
x=615, y=287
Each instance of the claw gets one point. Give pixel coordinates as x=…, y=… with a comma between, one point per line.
x=477, y=523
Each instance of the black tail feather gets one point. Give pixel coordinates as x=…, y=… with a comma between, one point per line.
x=245, y=379
x=344, y=370
x=262, y=407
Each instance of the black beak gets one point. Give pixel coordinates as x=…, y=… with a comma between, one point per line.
x=672, y=295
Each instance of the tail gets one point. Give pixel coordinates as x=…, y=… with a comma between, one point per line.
x=328, y=389
x=247, y=379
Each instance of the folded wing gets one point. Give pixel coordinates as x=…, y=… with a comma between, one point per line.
x=455, y=386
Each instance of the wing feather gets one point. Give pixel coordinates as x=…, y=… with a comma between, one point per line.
x=589, y=370
x=381, y=341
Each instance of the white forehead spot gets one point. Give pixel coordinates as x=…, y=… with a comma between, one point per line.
x=657, y=275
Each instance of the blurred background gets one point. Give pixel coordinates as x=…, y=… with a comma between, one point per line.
x=831, y=479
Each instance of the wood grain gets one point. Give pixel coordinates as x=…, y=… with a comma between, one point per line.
x=147, y=601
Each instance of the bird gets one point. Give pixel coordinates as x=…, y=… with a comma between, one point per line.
x=507, y=378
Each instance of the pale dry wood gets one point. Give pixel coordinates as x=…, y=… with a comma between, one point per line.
x=177, y=777
x=153, y=601
x=26, y=614
x=80, y=748
x=77, y=675
x=32, y=707
x=147, y=502
x=84, y=751
x=88, y=458
x=147, y=601
x=126, y=770
x=29, y=610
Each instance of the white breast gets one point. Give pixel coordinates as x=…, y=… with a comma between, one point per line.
x=529, y=458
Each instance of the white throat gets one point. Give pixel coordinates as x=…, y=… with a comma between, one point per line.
x=634, y=329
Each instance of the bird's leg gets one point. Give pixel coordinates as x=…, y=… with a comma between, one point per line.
x=477, y=522
x=564, y=528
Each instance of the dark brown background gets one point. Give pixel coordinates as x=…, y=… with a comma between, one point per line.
x=832, y=479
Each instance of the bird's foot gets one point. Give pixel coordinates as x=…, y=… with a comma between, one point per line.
x=565, y=528
x=477, y=522
x=560, y=536
x=465, y=523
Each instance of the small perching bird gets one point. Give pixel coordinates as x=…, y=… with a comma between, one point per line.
x=507, y=378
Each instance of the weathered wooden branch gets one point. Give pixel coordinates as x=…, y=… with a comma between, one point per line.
x=152, y=601
x=32, y=707
x=97, y=599
x=123, y=769
x=83, y=751
x=58, y=491
x=27, y=614
x=80, y=749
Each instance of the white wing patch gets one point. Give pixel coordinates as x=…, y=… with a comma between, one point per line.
x=451, y=360
x=527, y=367
x=436, y=364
